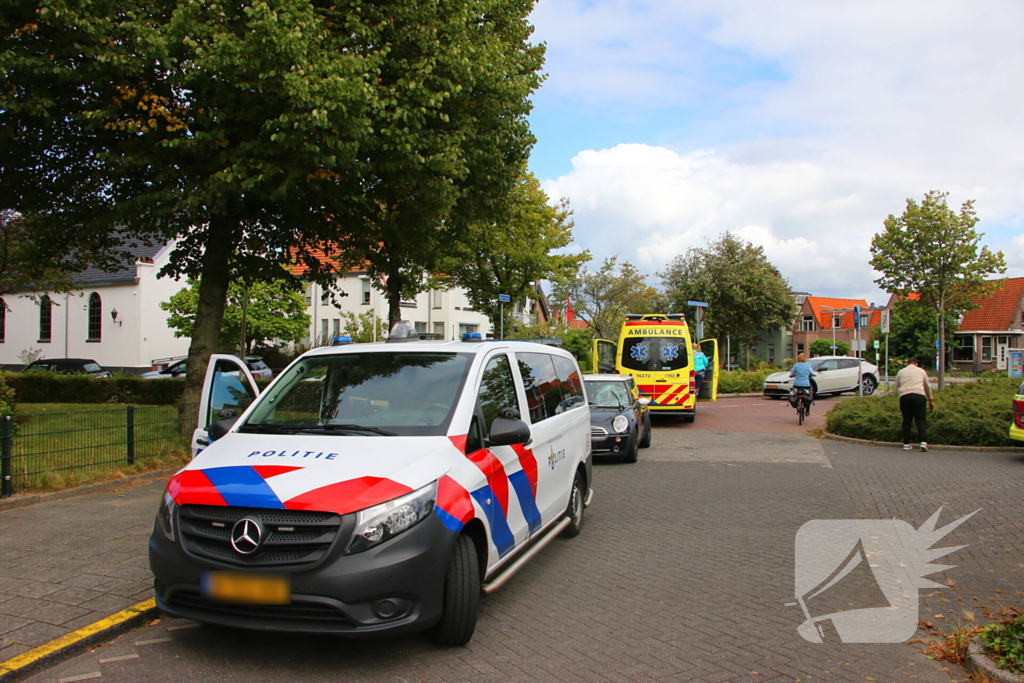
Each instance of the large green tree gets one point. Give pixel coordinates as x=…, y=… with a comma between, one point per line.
x=745, y=293
x=936, y=253
x=21, y=268
x=602, y=298
x=231, y=128
x=513, y=251
x=450, y=134
x=913, y=330
x=269, y=311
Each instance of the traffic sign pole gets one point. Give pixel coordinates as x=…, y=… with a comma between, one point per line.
x=502, y=300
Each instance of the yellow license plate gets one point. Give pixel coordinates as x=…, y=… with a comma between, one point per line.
x=773, y=386
x=247, y=589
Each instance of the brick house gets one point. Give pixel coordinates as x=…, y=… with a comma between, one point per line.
x=822, y=317
x=986, y=333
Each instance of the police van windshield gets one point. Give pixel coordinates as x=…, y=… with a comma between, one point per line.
x=655, y=354
x=382, y=393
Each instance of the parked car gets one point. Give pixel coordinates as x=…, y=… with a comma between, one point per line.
x=68, y=366
x=836, y=374
x=1017, y=426
x=384, y=496
x=620, y=421
x=177, y=369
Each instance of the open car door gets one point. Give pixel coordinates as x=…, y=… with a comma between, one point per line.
x=603, y=360
x=709, y=390
x=228, y=390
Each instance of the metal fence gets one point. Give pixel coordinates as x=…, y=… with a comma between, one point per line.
x=34, y=448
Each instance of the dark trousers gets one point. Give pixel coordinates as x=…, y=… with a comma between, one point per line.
x=698, y=381
x=915, y=409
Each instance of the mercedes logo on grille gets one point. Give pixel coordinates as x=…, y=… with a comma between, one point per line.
x=246, y=536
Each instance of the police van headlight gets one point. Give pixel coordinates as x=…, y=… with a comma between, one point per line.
x=381, y=522
x=165, y=516
x=620, y=423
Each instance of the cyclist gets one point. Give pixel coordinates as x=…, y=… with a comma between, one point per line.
x=801, y=373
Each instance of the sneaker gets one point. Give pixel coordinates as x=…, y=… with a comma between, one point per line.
x=924, y=447
x=907, y=447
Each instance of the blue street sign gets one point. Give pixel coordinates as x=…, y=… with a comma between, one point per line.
x=936, y=343
x=696, y=303
x=504, y=298
x=856, y=317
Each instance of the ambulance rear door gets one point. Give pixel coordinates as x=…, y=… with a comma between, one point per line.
x=709, y=390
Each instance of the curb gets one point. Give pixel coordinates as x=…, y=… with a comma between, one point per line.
x=19, y=500
x=978, y=662
x=931, y=447
x=77, y=641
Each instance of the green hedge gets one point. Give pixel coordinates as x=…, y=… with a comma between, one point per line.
x=974, y=414
x=743, y=382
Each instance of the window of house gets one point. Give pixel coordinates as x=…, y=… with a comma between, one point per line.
x=865, y=320
x=837, y=321
x=799, y=349
x=420, y=327
x=337, y=326
x=465, y=329
x=771, y=352
x=95, y=318
x=45, y=319
x=435, y=298
x=963, y=348
x=3, y=321
x=807, y=324
x=986, y=349
x=323, y=330
x=439, y=330
x=366, y=290
x=309, y=294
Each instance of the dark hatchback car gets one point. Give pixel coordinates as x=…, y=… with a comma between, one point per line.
x=68, y=366
x=620, y=422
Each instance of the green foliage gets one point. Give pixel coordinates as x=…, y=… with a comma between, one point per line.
x=937, y=254
x=603, y=298
x=743, y=381
x=575, y=341
x=7, y=398
x=971, y=414
x=21, y=267
x=48, y=387
x=823, y=347
x=274, y=311
x=913, y=330
x=1005, y=642
x=361, y=327
x=746, y=294
x=510, y=253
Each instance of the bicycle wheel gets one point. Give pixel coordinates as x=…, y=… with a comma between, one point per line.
x=800, y=409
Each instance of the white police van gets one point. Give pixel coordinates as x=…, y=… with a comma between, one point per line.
x=373, y=488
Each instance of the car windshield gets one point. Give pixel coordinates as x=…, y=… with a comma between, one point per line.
x=380, y=392
x=92, y=367
x=655, y=354
x=607, y=393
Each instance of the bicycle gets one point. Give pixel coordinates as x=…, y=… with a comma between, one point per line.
x=801, y=399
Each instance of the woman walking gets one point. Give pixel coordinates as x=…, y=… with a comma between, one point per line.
x=915, y=398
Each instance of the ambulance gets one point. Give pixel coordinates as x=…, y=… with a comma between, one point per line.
x=656, y=349
x=373, y=488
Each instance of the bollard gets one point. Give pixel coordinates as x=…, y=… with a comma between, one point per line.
x=130, y=421
x=6, y=485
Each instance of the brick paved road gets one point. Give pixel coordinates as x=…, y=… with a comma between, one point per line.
x=682, y=573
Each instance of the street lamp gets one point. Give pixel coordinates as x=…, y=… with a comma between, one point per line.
x=833, y=329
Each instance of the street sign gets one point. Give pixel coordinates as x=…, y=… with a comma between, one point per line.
x=856, y=317
x=703, y=304
x=877, y=344
x=700, y=314
x=504, y=298
x=885, y=320
x=936, y=343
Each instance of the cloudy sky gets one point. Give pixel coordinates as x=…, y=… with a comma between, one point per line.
x=797, y=124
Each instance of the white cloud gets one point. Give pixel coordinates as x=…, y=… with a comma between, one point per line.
x=807, y=123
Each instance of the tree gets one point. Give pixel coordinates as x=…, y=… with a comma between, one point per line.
x=450, y=134
x=823, y=347
x=21, y=268
x=937, y=254
x=510, y=253
x=273, y=311
x=913, y=330
x=365, y=327
x=230, y=128
x=603, y=298
x=745, y=293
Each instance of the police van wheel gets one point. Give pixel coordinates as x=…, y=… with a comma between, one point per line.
x=575, y=510
x=461, y=595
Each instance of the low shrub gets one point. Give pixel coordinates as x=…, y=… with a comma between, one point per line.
x=7, y=398
x=973, y=414
x=1005, y=642
x=743, y=382
x=48, y=387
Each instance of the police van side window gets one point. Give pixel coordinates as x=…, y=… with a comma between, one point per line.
x=543, y=395
x=569, y=382
x=497, y=390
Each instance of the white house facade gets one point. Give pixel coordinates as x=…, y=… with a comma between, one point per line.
x=114, y=318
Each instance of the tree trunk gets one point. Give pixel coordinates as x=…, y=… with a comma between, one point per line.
x=394, y=294
x=942, y=341
x=213, y=292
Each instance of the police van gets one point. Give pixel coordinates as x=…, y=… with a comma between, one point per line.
x=373, y=488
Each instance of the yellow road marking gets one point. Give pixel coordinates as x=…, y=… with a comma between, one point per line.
x=37, y=653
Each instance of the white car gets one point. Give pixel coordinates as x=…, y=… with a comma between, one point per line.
x=177, y=369
x=835, y=375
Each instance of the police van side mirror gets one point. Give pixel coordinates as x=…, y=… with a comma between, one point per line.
x=221, y=427
x=505, y=432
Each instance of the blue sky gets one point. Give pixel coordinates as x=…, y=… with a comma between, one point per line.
x=797, y=124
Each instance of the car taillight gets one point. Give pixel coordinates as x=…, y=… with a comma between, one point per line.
x=1018, y=413
x=693, y=383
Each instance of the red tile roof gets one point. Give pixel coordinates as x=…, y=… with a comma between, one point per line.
x=999, y=311
x=821, y=307
x=299, y=268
